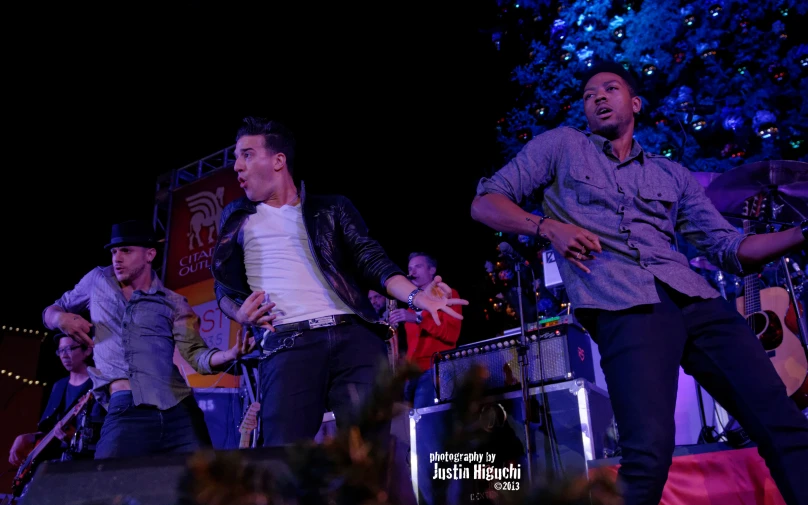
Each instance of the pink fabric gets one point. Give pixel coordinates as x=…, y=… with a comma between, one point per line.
x=732, y=477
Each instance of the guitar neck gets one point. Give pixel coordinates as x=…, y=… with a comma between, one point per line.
x=751, y=284
x=244, y=441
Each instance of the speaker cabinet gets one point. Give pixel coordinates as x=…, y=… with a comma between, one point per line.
x=575, y=429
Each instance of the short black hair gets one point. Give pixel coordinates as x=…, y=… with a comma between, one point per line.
x=59, y=336
x=278, y=138
x=611, y=67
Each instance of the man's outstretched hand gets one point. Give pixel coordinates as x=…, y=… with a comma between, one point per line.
x=435, y=297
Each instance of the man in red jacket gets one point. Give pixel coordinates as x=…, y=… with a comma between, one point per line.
x=424, y=336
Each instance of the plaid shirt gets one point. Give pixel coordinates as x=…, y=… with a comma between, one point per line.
x=135, y=339
x=635, y=207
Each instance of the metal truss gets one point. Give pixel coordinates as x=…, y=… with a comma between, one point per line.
x=177, y=178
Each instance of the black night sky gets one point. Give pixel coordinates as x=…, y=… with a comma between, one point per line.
x=394, y=105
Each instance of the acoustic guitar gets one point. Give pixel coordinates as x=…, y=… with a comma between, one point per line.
x=26, y=470
x=765, y=311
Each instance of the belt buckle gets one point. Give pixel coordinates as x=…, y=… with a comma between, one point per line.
x=322, y=322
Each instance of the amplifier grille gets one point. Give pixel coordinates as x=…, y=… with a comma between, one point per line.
x=499, y=357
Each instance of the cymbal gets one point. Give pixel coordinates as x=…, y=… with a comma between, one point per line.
x=784, y=182
x=705, y=178
x=702, y=263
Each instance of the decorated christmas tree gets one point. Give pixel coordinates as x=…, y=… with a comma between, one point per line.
x=721, y=81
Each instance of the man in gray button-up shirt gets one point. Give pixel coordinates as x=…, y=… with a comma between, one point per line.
x=611, y=211
x=136, y=322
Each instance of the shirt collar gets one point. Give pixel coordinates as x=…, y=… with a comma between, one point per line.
x=606, y=146
x=156, y=287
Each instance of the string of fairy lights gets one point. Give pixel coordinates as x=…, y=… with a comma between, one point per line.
x=15, y=376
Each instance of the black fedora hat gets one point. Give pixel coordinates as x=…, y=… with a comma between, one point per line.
x=133, y=232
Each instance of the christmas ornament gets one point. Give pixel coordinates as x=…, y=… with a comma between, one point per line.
x=667, y=151
x=796, y=143
x=500, y=124
x=733, y=151
x=732, y=118
x=767, y=130
x=559, y=30
x=539, y=111
x=690, y=20
x=524, y=135
x=764, y=124
x=616, y=25
x=802, y=56
x=715, y=10
x=698, y=123
x=778, y=73
x=588, y=23
x=649, y=69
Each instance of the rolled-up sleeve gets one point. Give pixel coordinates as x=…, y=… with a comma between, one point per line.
x=188, y=340
x=707, y=230
x=77, y=300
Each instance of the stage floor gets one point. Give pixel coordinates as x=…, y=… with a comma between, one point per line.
x=711, y=474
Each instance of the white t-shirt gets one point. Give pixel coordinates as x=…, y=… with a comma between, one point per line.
x=279, y=261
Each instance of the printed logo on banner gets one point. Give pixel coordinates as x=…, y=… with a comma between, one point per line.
x=214, y=326
x=196, y=211
x=206, y=209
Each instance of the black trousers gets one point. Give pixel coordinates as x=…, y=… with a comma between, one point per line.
x=326, y=369
x=641, y=350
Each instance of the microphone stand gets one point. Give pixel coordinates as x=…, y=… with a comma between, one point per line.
x=523, y=367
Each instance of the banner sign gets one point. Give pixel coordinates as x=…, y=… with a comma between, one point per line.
x=194, y=226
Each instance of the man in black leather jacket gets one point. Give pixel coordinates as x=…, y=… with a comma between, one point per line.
x=297, y=268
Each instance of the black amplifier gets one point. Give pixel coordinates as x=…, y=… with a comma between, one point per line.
x=565, y=355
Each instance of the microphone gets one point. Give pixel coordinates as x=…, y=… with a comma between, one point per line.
x=507, y=251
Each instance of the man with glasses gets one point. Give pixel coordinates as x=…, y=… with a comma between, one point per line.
x=64, y=395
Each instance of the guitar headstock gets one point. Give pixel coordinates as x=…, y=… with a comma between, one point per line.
x=753, y=207
x=250, y=421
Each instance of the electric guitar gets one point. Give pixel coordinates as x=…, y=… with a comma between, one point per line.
x=248, y=424
x=26, y=470
x=765, y=311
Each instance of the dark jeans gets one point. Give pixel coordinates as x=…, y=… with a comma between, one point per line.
x=421, y=391
x=641, y=350
x=131, y=430
x=327, y=369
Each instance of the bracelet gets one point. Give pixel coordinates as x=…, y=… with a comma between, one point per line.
x=412, y=297
x=538, y=228
x=539, y=233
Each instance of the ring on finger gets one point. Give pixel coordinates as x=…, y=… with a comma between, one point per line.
x=578, y=256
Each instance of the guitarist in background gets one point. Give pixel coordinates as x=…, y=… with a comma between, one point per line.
x=75, y=358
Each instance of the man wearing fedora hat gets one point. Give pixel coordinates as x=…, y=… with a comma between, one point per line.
x=135, y=324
